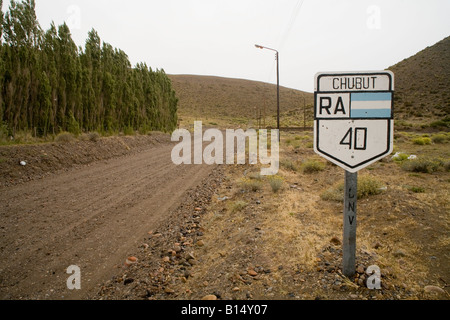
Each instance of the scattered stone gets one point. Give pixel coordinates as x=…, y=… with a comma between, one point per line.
x=436, y=289
x=198, y=209
x=169, y=291
x=210, y=297
x=166, y=259
x=360, y=269
x=192, y=262
x=200, y=243
x=177, y=249
x=130, y=261
x=252, y=272
x=335, y=241
x=235, y=289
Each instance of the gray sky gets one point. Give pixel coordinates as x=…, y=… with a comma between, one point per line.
x=212, y=37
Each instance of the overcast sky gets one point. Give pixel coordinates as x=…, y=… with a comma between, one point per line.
x=212, y=37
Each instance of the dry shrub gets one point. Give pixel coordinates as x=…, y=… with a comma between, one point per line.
x=64, y=137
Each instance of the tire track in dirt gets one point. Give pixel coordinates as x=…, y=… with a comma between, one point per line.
x=90, y=217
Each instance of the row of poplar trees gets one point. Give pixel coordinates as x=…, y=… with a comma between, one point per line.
x=49, y=85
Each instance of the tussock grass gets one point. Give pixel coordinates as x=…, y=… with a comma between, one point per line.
x=367, y=186
x=312, y=166
x=426, y=165
x=64, y=137
x=250, y=184
x=276, y=183
x=289, y=165
x=238, y=206
x=440, y=138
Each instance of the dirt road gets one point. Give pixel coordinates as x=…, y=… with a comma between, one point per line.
x=90, y=217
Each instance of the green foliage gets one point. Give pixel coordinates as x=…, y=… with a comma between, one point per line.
x=400, y=157
x=440, y=138
x=312, y=166
x=73, y=126
x=442, y=124
x=416, y=189
x=422, y=141
x=49, y=85
x=129, y=131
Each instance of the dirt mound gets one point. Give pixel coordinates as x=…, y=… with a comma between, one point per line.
x=42, y=160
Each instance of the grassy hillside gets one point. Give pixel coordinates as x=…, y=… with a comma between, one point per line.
x=423, y=84
x=225, y=101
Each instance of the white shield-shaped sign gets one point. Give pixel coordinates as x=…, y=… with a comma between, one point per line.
x=354, y=124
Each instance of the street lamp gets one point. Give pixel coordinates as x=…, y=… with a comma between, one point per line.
x=277, y=57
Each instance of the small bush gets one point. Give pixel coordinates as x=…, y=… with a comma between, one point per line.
x=335, y=193
x=400, y=157
x=251, y=184
x=422, y=141
x=93, y=136
x=288, y=164
x=440, y=138
x=312, y=166
x=238, y=206
x=422, y=165
x=64, y=137
x=276, y=183
x=367, y=186
x=129, y=131
x=255, y=176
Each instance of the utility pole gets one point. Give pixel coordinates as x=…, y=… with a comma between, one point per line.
x=277, y=56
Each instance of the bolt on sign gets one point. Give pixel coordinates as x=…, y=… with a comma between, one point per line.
x=354, y=124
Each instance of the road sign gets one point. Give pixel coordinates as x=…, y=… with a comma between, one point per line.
x=354, y=124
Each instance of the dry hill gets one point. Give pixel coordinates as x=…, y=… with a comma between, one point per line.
x=235, y=100
x=422, y=84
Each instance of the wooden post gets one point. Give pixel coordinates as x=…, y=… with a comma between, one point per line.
x=349, y=243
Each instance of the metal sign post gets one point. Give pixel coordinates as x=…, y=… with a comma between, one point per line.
x=353, y=128
x=349, y=243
